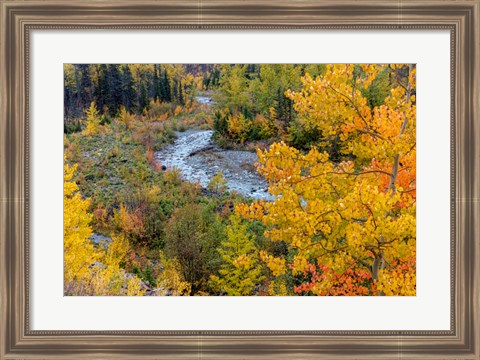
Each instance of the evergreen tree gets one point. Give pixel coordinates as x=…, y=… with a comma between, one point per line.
x=156, y=83
x=85, y=85
x=283, y=106
x=143, y=98
x=181, y=99
x=206, y=81
x=114, y=86
x=215, y=76
x=166, y=94
x=102, y=91
x=175, y=90
x=129, y=95
x=68, y=101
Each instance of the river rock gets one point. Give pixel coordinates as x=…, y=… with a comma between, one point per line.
x=198, y=159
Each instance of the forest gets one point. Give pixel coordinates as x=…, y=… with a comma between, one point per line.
x=240, y=179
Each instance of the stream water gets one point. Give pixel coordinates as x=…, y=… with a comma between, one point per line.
x=198, y=160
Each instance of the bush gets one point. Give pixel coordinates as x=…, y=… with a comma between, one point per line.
x=217, y=183
x=264, y=127
x=193, y=234
x=72, y=125
x=239, y=128
x=141, y=218
x=171, y=281
x=303, y=137
x=220, y=124
x=125, y=117
x=159, y=111
x=105, y=119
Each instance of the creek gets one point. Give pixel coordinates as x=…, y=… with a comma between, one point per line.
x=198, y=159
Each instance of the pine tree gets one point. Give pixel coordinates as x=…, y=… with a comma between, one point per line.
x=114, y=86
x=68, y=99
x=102, y=91
x=128, y=89
x=85, y=85
x=175, y=90
x=143, y=98
x=181, y=99
x=166, y=94
x=156, y=83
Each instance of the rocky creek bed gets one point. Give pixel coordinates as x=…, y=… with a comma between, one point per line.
x=198, y=160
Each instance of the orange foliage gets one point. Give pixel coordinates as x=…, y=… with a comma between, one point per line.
x=131, y=222
x=352, y=282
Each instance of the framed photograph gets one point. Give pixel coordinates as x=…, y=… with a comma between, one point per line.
x=239, y=180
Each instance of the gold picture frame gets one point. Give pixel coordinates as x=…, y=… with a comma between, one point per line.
x=18, y=18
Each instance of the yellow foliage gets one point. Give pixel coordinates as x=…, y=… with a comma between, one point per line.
x=88, y=270
x=350, y=212
x=117, y=251
x=240, y=272
x=178, y=110
x=367, y=133
x=130, y=222
x=93, y=122
x=265, y=125
x=275, y=264
x=79, y=252
x=239, y=127
x=277, y=288
x=218, y=183
x=134, y=287
x=110, y=278
x=397, y=283
x=126, y=118
x=171, y=279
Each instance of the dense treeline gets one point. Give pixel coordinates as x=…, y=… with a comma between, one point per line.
x=252, y=101
x=339, y=156
x=133, y=86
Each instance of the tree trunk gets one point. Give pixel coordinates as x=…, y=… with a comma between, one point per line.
x=396, y=160
x=376, y=267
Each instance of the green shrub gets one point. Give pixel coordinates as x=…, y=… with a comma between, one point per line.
x=193, y=234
